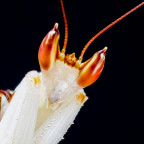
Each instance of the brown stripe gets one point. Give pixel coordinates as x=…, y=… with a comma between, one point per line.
x=4, y=93
x=8, y=94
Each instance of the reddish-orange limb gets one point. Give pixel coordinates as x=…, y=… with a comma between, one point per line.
x=66, y=27
x=106, y=28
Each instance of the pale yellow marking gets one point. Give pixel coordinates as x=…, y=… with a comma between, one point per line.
x=61, y=57
x=81, y=98
x=37, y=80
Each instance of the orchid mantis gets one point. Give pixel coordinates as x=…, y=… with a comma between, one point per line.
x=44, y=105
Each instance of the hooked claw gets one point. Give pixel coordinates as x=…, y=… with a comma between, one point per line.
x=92, y=68
x=48, y=48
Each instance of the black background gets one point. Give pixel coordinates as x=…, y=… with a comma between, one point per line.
x=114, y=111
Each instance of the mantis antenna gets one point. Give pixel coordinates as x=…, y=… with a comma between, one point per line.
x=106, y=28
x=66, y=27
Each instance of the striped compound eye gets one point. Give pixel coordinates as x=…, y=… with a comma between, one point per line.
x=48, y=48
x=92, y=68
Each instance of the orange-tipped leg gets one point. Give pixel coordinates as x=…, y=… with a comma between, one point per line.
x=48, y=48
x=91, y=69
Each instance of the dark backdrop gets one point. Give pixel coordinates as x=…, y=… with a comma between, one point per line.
x=113, y=113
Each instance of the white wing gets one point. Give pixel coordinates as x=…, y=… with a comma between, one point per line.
x=54, y=128
x=18, y=123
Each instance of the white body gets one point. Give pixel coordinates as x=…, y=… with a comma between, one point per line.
x=43, y=107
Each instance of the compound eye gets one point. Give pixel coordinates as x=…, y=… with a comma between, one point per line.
x=92, y=68
x=48, y=48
